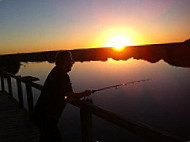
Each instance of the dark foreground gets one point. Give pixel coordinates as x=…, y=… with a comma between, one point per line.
x=15, y=124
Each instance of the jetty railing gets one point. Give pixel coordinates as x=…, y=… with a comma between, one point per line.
x=87, y=109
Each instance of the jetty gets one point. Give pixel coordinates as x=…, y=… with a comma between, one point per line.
x=16, y=125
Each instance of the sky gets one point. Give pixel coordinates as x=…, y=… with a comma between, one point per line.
x=42, y=25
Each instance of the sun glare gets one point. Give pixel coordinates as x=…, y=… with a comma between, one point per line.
x=118, y=42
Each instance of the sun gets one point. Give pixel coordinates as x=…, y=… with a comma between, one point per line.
x=118, y=42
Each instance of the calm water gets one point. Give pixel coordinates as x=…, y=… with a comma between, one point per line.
x=162, y=103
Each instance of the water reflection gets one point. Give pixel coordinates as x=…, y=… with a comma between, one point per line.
x=162, y=102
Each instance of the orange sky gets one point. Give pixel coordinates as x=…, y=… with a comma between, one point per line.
x=29, y=26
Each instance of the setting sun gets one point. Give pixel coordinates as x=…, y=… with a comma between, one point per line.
x=118, y=42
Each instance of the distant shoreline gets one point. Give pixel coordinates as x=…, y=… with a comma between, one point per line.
x=145, y=45
x=176, y=54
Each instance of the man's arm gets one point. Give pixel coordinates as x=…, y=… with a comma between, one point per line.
x=74, y=96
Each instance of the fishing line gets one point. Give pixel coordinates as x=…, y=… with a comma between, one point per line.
x=119, y=85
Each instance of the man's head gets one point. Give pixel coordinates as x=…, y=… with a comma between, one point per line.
x=64, y=60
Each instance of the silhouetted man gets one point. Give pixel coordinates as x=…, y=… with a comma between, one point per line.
x=56, y=90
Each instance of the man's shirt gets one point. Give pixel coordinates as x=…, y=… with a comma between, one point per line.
x=52, y=99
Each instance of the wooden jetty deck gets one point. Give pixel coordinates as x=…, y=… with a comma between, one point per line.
x=15, y=124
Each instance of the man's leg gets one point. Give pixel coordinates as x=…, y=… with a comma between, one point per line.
x=49, y=131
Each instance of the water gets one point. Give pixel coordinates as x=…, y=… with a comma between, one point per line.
x=162, y=103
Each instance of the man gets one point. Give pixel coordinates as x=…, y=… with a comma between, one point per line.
x=56, y=90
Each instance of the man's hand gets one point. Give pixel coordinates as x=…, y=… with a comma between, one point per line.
x=71, y=96
x=87, y=93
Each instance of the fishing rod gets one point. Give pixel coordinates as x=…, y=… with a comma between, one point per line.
x=119, y=85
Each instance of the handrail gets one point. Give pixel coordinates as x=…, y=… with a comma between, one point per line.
x=141, y=129
x=36, y=85
x=147, y=132
x=8, y=74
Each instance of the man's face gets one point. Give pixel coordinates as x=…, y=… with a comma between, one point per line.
x=68, y=65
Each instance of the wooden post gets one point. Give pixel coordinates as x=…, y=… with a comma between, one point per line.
x=2, y=82
x=86, y=125
x=9, y=85
x=28, y=80
x=20, y=92
x=29, y=96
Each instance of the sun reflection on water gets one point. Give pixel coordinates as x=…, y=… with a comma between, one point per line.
x=112, y=61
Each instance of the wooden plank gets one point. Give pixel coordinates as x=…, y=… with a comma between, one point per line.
x=15, y=124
